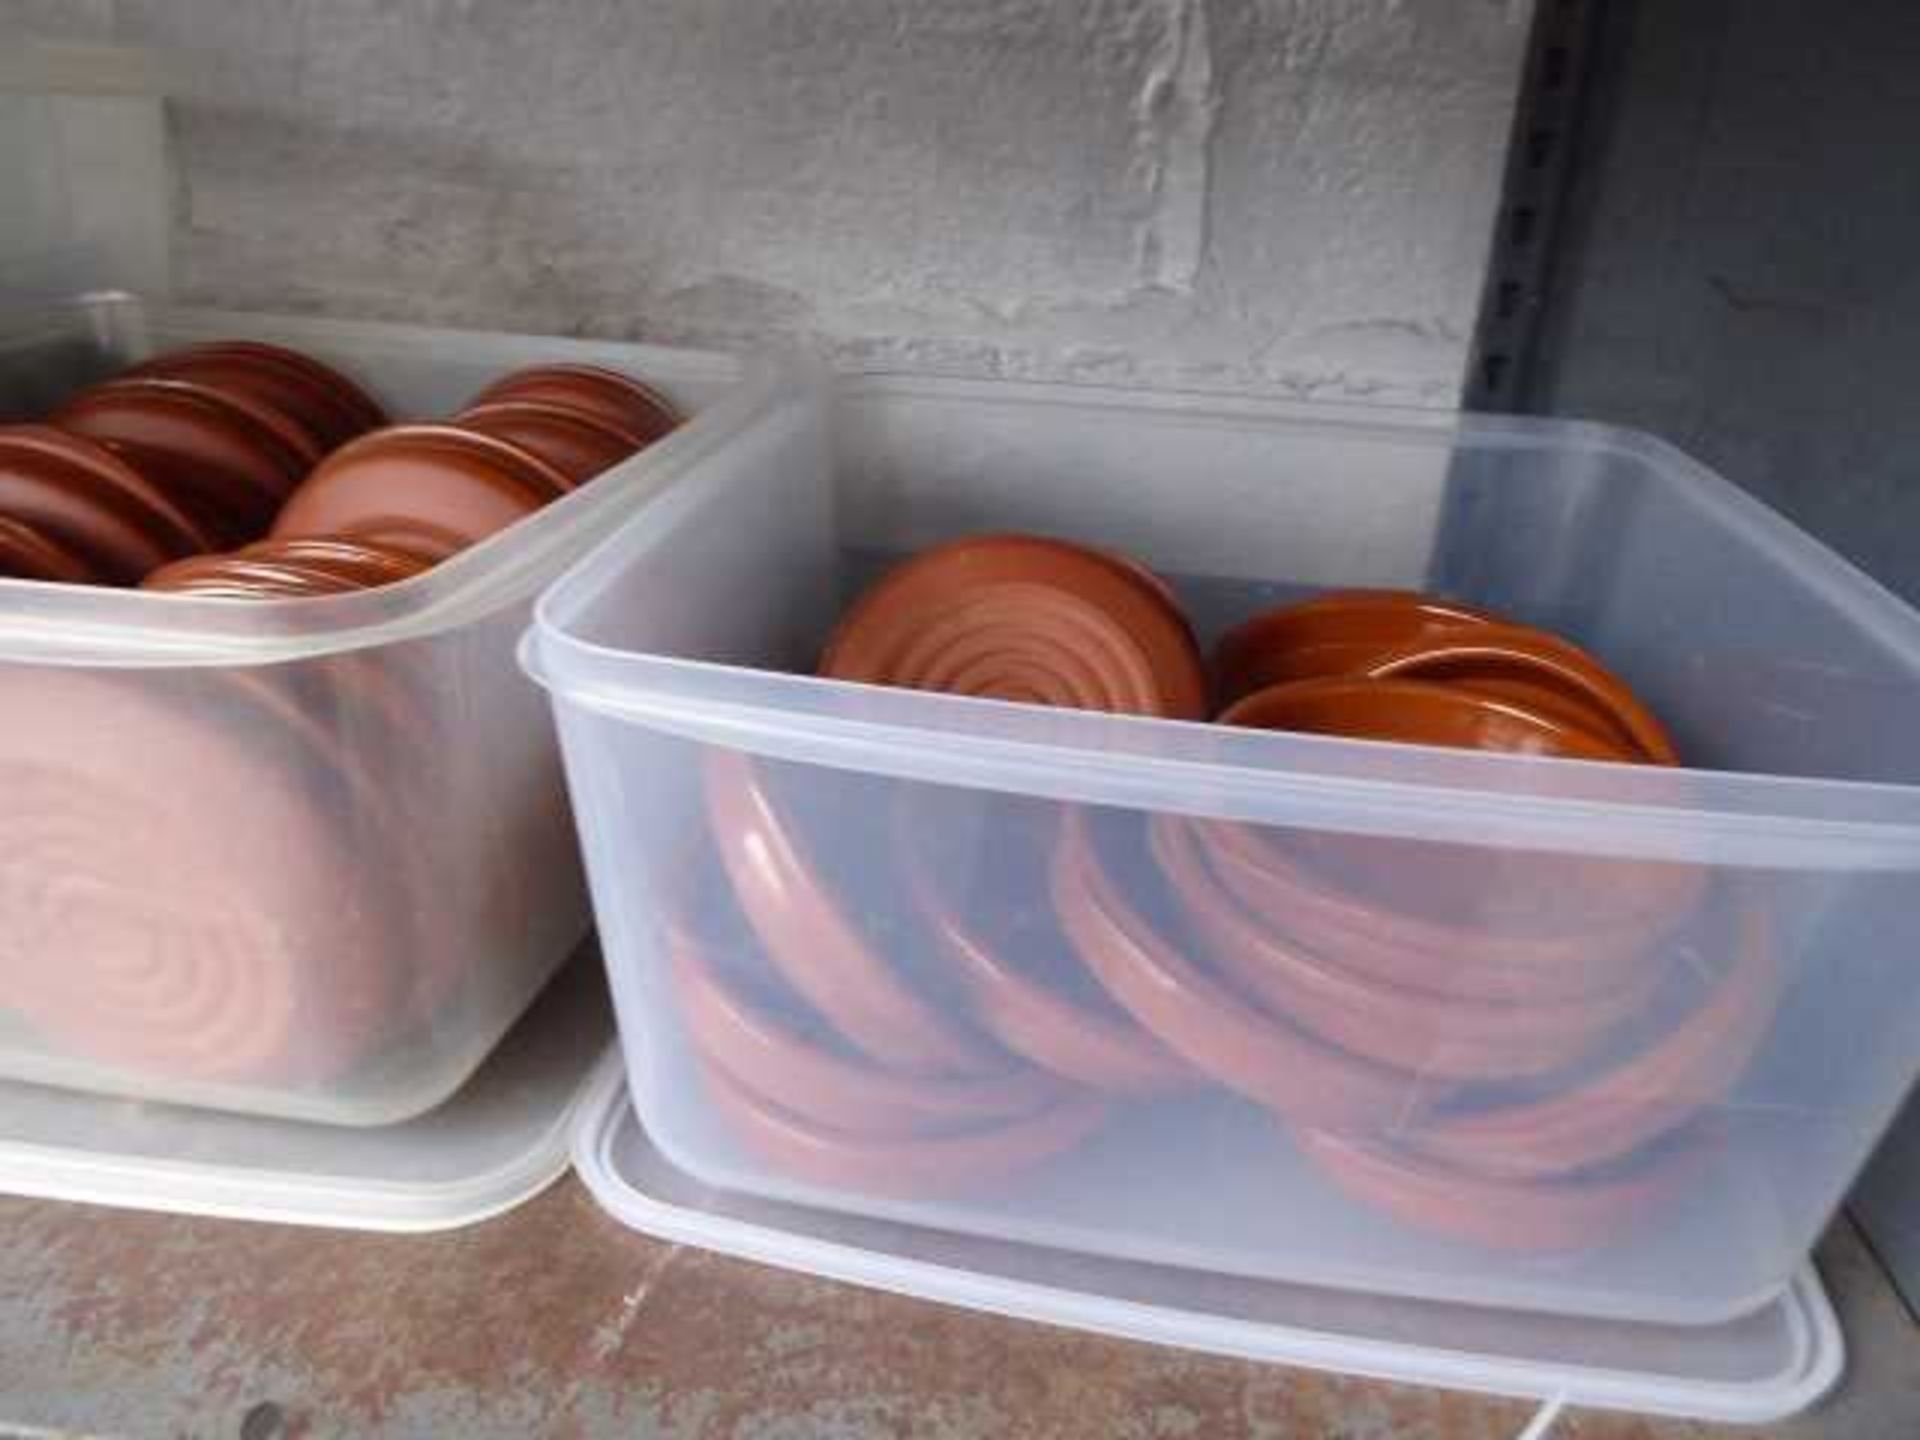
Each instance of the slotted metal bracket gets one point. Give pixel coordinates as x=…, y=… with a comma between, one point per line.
x=1542, y=160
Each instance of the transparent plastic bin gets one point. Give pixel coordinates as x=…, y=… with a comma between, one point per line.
x=336, y=829
x=1621, y=1035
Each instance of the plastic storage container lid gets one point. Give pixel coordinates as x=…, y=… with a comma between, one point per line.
x=1762, y=1367
x=499, y=1141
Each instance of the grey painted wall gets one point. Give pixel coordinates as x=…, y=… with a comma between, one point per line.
x=1744, y=279
x=1744, y=273
x=1271, y=194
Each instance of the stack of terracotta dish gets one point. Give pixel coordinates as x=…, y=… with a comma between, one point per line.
x=213, y=469
x=829, y=1046
x=840, y=1046
x=287, y=926
x=1394, y=665
x=397, y=500
x=1467, y=1033
x=1478, y=1041
x=189, y=452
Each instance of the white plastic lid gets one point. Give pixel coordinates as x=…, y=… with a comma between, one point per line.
x=1762, y=1367
x=500, y=1140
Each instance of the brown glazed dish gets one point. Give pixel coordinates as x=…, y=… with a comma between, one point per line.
x=229, y=578
x=418, y=540
x=1200, y=1017
x=1627, y=1100
x=1464, y=954
x=153, y=919
x=82, y=497
x=1415, y=712
x=1028, y=988
x=271, y=569
x=318, y=398
x=918, y=1166
x=753, y=1046
x=1331, y=634
x=1452, y=1038
x=366, y=562
x=816, y=946
x=1536, y=671
x=224, y=458
x=27, y=554
x=1407, y=907
x=435, y=479
x=577, y=443
x=770, y=1044
x=1571, y=1214
x=637, y=408
x=1024, y=618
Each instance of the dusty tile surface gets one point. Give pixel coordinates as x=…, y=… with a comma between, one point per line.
x=554, y=1321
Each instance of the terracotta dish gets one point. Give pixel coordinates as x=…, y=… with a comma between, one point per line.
x=577, y=443
x=1409, y=1029
x=27, y=554
x=1476, y=896
x=1027, y=986
x=1631, y=1099
x=1502, y=894
x=224, y=458
x=1217, y=1030
x=766, y=1044
x=917, y=1166
x=83, y=498
x=154, y=920
x=621, y=399
x=1547, y=1217
x=1019, y=617
x=364, y=561
x=317, y=397
x=278, y=569
x=1461, y=956
x=432, y=478
x=863, y=992
x=220, y=440
x=1149, y=579
x=418, y=540
x=1332, y=634
x=1414, y=712
x=289, y=431
x=1536, y=671
x=228, y=578
x=351, y=726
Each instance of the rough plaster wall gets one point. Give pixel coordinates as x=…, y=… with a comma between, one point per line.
x=1290, y=194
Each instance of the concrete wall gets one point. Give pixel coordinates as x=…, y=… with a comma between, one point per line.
x=1271, y=194
x=1743, y=271
x=1743, y=277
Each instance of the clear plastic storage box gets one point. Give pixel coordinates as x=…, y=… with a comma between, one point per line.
x=1569, y=1037
x=307, y=858
x=300, y=859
